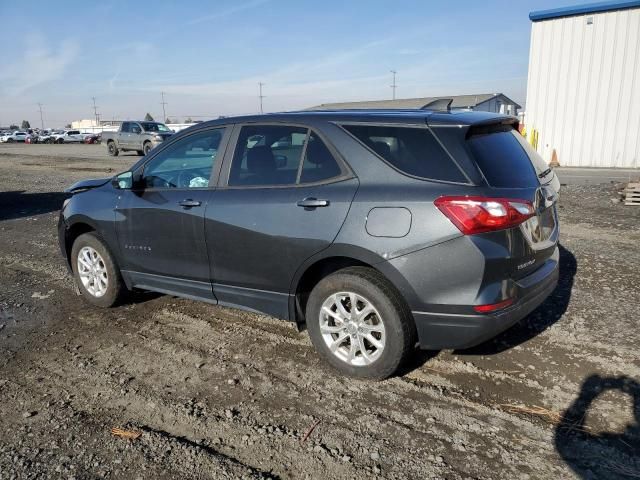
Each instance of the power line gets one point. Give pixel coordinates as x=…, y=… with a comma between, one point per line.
x=260, y=96
x=95, y=111
x=41, y=120
x=163, y=103
x=393, y=85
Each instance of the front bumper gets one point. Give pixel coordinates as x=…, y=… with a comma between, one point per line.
x=457, y=331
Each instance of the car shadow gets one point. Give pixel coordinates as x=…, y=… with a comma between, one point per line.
x=548, y=313
x=600, y=455
x=20, y=204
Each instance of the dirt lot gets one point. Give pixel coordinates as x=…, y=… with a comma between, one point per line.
x=217, y=393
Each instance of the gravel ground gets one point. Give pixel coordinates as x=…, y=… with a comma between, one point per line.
x=219, y=393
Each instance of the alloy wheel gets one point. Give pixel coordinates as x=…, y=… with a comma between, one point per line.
x=352, y=328
x=93, y=272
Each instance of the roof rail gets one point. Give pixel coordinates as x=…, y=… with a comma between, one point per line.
x=439, y=105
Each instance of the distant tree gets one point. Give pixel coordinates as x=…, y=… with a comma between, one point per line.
x=188, y=120
x=68, y=125
x=13, y=127
x=25, y=125
x=168, y=120
x=148, y=117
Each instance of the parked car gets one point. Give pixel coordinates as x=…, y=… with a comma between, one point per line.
x=45, y=136
x=93, y=138
x=14, y=137
x=67, y=136
x=379, y=229
x=136, y=136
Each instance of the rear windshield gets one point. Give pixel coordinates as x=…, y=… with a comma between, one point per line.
x=502, y=159
x=412, y=150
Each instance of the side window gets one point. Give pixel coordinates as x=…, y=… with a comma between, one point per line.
x=412, y=150
x=318, y=163
x=267, y=155
x=188, y=163
x=135, y=128
x=125, y=127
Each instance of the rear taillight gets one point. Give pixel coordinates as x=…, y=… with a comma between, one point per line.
x=493, y=306
x=484, y=214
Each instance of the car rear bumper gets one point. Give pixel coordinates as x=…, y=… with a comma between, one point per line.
x=458, y=331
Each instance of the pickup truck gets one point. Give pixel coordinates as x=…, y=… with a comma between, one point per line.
x=138, y=136
x=68, y=136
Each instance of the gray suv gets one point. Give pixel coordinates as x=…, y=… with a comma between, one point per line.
x=375, y=230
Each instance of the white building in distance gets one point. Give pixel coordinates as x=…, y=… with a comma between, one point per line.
x=583, y=91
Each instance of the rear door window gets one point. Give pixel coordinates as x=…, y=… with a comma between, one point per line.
x=319, y=164
x=412, y=150
x=280, y=155
x=502, y=159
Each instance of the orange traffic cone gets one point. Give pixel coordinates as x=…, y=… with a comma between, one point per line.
x=554, y=159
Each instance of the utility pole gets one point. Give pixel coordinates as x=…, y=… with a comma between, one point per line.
x=41, y=120
x=164, y=112
x=260, y=96
x=393, y=85
x=95, y=111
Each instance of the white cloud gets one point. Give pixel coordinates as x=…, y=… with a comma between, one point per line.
x=38, y=64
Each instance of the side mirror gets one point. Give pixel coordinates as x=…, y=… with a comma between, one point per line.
x=124, y=181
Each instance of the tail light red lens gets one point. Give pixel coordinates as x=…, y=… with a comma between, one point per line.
x=484, y=214
x=493, y=307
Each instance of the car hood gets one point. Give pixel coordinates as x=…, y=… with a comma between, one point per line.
x=83, y=185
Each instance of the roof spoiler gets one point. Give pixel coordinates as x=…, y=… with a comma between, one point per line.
x=439, y=105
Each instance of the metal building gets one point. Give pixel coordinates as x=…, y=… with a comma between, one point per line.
x=583, y=91
x=486, y=102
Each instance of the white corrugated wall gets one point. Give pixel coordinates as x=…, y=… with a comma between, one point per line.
x=583, y=91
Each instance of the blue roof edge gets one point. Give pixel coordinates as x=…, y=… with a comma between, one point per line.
x=607, y=6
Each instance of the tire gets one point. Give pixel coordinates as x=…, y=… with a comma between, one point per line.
x=112, y=149
x=60, y=141
x=139, y=152
x=9, y=140
x=115, y=290
x=146, y=148
x=398, y=332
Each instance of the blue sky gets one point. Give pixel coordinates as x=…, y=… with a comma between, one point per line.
x=209, y=56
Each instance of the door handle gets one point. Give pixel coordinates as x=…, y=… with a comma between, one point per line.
x=311, y=202
x=188, y=203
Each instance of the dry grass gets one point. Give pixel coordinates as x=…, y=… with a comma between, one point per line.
x=550, y=416
x=622, y=469
x=127, y=434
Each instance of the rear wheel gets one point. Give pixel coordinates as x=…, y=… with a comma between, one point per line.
x=140, y=152
x=112, y=149
x=95, y=272
x=359, y=323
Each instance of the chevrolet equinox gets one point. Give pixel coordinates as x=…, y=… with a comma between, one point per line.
x=376, y=230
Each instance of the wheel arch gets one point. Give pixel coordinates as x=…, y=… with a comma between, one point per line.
x=72, y=232
x=331, y=260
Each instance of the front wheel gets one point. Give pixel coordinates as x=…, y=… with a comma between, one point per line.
x=360, y=324
x=146, y=148
x=95, y=272
x=112, y=149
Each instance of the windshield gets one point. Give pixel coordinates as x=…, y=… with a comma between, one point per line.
x=154, y=127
